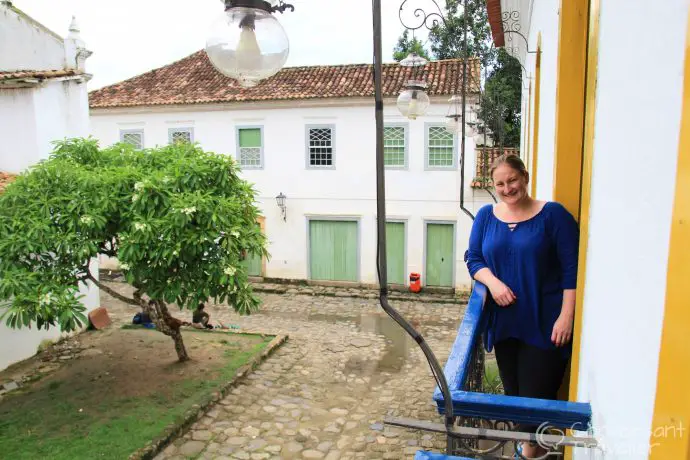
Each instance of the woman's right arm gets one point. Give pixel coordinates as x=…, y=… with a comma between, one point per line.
x=480, y=271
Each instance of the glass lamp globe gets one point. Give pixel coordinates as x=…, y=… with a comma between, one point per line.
x=454, y=125
x=247, y=44
x=413, y=102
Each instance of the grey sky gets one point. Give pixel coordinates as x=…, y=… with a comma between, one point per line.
x=129, y=37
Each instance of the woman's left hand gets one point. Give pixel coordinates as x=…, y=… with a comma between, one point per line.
x=562, y=330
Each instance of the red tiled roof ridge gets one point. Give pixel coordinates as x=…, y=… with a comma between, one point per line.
x=193, y=80
x=41, y=74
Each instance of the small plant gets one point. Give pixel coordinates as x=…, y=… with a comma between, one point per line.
x=44, y=345
x=492, y=378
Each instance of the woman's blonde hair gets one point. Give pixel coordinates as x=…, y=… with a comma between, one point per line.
x=511, y=160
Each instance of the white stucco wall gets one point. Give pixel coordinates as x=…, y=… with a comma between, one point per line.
x=17, y=112
x=349, y=190
x=544, y=21
x=27, y=45
x=634, y=169
x=35, y=117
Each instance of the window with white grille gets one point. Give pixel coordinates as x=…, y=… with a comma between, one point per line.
x=321, y=146
x=440, y=148
x=176, y=135
x=250, y=151
x=132, y=137
x=394, y=146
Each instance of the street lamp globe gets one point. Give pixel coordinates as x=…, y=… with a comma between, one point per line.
x=247, y=43
x=413, y=102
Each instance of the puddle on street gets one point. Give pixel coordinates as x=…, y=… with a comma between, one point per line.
x=398, y=344
x=397, y=348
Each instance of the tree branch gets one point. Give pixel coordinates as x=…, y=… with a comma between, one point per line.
x=110, y=291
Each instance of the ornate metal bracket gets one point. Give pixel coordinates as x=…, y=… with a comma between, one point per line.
x=428, y=20
x=259, y=5
x=282, y=6
x=511, y=25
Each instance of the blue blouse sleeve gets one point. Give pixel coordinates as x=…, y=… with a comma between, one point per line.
x=566, y=235
x=474, y=257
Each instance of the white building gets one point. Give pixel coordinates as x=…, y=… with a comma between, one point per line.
x=43, y=98
x=606, y=131
x=309, y=133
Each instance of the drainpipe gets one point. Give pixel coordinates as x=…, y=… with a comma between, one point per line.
x=464, y=117
x=381, y=262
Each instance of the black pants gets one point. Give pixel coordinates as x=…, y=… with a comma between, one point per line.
x=529, y=371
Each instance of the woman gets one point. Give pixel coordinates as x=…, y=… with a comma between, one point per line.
x=525, y=252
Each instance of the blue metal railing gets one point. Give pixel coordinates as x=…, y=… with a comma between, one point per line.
x=558, y=414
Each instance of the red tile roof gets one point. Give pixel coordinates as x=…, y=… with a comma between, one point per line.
x=493, y=8
x=194, y=80
x=36, y=74
x=5, y=179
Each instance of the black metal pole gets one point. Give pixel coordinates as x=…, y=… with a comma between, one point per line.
x=464, y=116
x=381, y=261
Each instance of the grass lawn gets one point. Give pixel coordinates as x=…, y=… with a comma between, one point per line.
x=111, y=402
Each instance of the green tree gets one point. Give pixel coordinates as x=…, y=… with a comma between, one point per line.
x=500, y=103
x=177, y=218
x=447, y=39
x=406, y=46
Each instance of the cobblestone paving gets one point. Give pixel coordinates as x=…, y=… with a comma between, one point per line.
x=323, y=394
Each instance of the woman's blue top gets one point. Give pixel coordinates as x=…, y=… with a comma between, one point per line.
x=537, y=260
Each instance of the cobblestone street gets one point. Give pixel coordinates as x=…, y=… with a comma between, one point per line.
x=325, y=392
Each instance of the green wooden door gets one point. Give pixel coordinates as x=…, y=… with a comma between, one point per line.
x=439, y=255
x=253, y=264
x=333, y=250
x=395, y=252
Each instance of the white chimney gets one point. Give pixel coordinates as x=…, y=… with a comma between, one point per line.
x=75, y=48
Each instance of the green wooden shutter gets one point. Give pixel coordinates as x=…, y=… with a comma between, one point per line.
x=439, y=255
x=395, y=252
x=333, y=250
x=250, y=137
x=253, y=264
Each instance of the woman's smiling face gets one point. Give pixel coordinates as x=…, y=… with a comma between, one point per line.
x=510, y=184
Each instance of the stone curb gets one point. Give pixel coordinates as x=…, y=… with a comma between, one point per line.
x=283, y=286
x=197, y=411
x=370, y=296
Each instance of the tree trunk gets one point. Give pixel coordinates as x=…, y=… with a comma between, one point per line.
x=179, y=347
x=167, y=324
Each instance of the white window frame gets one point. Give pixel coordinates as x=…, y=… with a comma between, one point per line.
x=172, y=131
x=307, y=130
x=406, y=128
x=427, y=167
x=239, y=156
x=123, y=132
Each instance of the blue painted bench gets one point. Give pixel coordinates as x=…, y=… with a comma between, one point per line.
x=561, y=414
x=424, y=455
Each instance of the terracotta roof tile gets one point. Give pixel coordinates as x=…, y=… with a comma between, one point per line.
x=36, y=74
x=194, y=80
x=5, y=179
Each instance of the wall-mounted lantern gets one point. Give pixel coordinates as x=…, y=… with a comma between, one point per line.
x=280, y=199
